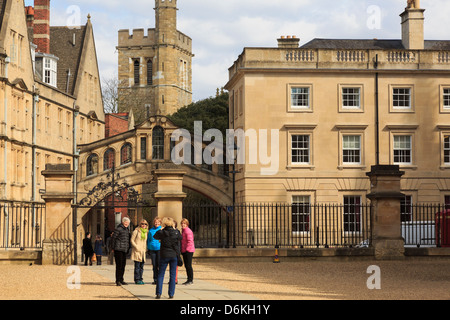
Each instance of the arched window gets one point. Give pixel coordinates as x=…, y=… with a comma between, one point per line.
x=108, y=159
x=158, y=143
x=92, y=165
x=125, y=153
x=136, y=72
x=149, y=72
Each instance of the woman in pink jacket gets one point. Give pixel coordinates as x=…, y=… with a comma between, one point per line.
x=187, y=250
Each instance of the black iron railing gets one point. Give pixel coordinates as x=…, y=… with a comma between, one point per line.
x=280, y=225
x=426, y=225
x=22, y=225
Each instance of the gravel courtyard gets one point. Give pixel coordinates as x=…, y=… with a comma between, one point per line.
x=306, y=279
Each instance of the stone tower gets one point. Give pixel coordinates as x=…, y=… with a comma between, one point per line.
x=155, y=69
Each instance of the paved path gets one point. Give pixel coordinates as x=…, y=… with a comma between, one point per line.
x=200, y=290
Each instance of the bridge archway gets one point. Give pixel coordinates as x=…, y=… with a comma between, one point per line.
x=134, y=156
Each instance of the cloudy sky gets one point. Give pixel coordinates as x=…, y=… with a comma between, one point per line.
x=220, y=29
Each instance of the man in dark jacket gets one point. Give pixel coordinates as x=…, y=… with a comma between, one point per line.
x=87, y=249
x=120, y=246
x=170, y=239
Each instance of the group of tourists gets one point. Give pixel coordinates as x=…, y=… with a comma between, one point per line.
x=164, y=244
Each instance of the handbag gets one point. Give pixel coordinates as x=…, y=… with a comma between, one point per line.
x=94, y=257
x=179, y=261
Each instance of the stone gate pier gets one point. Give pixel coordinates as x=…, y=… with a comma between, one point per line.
x=58, y=245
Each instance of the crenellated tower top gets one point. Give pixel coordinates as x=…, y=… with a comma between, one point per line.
x=165, y=3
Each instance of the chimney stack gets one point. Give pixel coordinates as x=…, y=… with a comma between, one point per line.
x=288, y=42
x=41, y=25
x=29, y=11
x=413, y=27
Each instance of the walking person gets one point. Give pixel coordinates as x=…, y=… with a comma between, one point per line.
x=154, y=247
x=87, y=249
x=187, y=250
x=138, y=250
x=98, y=249
x=170, y=239
x=120, y=247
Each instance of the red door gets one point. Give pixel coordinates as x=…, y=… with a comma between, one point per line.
x=443, y=228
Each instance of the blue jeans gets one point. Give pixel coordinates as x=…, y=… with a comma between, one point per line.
x=138, y=271
x=154, y=255
x=163, y=262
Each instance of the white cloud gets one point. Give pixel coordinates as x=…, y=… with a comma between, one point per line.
x=221, y=29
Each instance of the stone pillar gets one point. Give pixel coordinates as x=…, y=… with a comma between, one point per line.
x=170, y=193
x=58, y=247
x=386, y=223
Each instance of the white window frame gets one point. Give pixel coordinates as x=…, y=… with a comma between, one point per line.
x=444, y=94
x=360, y=97
x=346, y=214
x=446, y=149
x=299, y=130
x=50, y=71
x=301, y=149
x=352, y=130
x=355, y=148
x=446, y=98
x=302, y=201
x=394, y=101
x=400, y=148
x=444, y=133
x=307, y=107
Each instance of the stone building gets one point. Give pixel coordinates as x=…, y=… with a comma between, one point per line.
x=338, y=107
x=50, y=96
x=155, y=68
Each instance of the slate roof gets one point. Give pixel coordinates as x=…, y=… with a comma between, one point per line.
x=373, y=44
x=69, y=53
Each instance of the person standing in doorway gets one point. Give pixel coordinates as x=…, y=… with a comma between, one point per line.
x=187, y=250
x=153, y=247
x=120, y=246
x=138, y=250
x=98, y=249
x=170, y=239
x=87, y=249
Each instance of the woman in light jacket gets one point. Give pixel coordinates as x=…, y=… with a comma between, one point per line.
x=187, y=250
x=138, y=250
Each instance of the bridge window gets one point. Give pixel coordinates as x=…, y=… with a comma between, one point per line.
x=158, y=143
x=143, y=148
x=108, y=159
x=125, y=154
x=92, y=165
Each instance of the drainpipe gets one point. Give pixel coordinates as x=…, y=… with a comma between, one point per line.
x=33, y=156
x=5, y=111
x=76, y=112
x=5, y=153
x=377, y=122
x=34, y=131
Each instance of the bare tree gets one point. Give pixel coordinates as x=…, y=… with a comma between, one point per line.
x=110, y=94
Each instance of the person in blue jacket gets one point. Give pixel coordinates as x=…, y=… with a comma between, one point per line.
x=154, y=247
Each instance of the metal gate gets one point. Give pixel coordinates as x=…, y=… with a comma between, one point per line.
x=22, y=225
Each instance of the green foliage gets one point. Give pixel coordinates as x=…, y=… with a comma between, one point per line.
x=212, y=112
